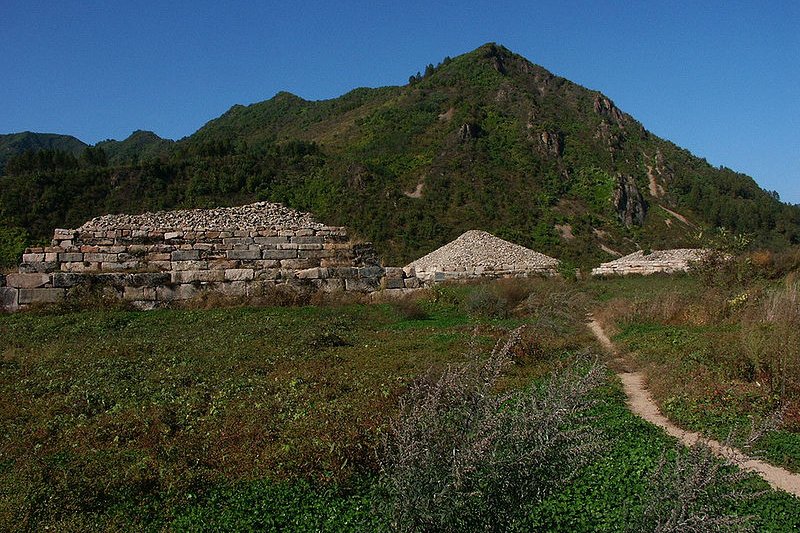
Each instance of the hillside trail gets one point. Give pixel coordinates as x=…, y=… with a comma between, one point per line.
x=641, y=404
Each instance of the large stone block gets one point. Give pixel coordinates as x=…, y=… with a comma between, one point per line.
x=27, y=281
x=41, y=296
x=279, y=254
x=371, y=272
x=392, y=283
x=308, y=239
x=394, y=272
x=40, y=267
x=64, y=280
x=9, y=299
x=239, y=274
x=100, y=257
x=189, y=265
x=270, y=240
x=299, y=264
x=362, y=285
x=234, y=288
x=185, y=255
x=412, y=283
x=329, y=285
x=139, y=293
x=233, y=241
x=70, y=257
x=244, y=254
x=189, y=276
x=313, y=273
x=33, y=258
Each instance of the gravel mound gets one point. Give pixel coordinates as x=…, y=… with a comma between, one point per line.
x=478, y=251
x=666, y=261
x=246, y=217
x=659, y=256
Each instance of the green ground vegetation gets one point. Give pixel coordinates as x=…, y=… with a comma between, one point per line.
x=272, y=418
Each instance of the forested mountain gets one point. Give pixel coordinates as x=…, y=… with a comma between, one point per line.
x=18, y=143
x=486, y=140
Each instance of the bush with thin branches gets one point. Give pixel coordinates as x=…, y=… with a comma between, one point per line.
x=462, y=457
x=694, y=491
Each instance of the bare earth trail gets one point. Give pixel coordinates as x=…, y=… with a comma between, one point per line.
x=641, y=403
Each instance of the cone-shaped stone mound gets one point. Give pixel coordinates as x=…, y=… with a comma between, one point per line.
x=478, y=253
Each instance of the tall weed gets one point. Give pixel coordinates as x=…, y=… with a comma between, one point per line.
x=460, y=457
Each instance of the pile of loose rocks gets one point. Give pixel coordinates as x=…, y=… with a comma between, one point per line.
x=246, y=217
x=480, y=254
x=657, y=261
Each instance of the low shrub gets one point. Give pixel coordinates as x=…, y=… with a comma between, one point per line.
x=694, y=491
x=460, y=457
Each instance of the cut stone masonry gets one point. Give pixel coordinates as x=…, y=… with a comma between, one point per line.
x=154, y=265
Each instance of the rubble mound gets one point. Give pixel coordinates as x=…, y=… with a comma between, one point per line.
x=478, y=253
x=246, y=217
x=657, y=261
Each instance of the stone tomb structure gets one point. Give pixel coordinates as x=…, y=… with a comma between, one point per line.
x=657, y=261
x=478, y=254
x=157, y=258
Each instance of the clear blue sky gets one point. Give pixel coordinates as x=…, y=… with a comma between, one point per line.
x=719, y=78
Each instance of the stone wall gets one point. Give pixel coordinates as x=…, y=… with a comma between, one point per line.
x=658, y=261
x=154, y=267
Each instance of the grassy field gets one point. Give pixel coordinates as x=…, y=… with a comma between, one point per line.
x=272, y=418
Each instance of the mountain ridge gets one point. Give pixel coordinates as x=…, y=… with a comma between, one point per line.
x=486, y=140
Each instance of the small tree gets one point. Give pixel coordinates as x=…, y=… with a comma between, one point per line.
x=12, y=243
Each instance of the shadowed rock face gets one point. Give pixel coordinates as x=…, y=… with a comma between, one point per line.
x=629, y=202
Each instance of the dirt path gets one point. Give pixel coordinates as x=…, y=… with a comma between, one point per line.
x=642, y=404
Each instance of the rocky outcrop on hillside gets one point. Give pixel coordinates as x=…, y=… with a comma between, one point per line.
x=629, y=202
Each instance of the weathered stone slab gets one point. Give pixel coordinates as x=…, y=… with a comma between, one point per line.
x=270, y=240
x=33, y=258
x=244, y=254
x=139, y=293
x=394, y=272
x=64, y=280
x=362, y=285
x=329, y=285
x=38, y=267
x=298, y=264
x=269, y=274
x=100, y=257
x=279, y=254
x=239, y=274
x=370, y=272
x=185, y=255
x=70, y=257
x=189, y=265
x=313, y=273
x=392, y=283
x=9, y=298
x=412, y=283
x=235, y=288
x=189, y=276
x=310, y=239
x=27, y=281
x=41, y=296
